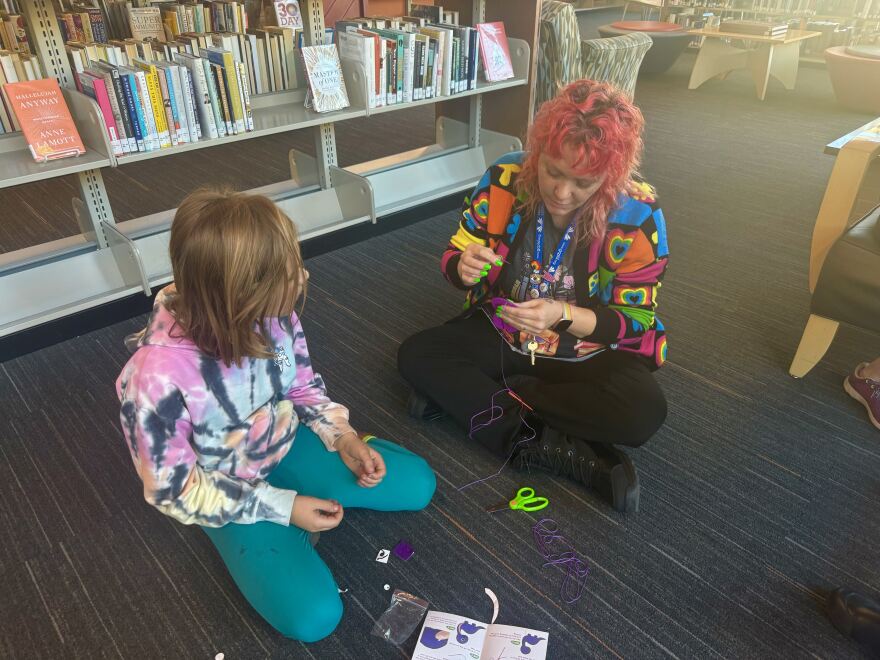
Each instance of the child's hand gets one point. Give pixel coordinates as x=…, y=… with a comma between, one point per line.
x=366, y=463
x=315, y=515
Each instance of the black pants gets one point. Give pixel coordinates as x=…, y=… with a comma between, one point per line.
x=610, y=398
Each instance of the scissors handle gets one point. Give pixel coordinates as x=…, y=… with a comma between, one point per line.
x=533, y=504
x=526, y=501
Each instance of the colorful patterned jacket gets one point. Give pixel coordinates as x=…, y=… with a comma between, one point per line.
x=618, y=278
x=204, y=436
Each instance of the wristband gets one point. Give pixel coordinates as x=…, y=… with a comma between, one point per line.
x=566, y=320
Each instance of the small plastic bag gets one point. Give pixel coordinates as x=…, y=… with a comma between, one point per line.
x=399, y=621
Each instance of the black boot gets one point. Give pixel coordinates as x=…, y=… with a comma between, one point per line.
x=422, y=408
x=606, y=470
x=857, y=616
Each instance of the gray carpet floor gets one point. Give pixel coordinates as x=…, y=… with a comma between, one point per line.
x=758, y=494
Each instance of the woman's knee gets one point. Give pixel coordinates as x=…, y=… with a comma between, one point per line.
x=314, y=619
x=646, y=420
x=409, y=355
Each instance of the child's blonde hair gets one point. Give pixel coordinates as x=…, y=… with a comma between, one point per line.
x=236, y=263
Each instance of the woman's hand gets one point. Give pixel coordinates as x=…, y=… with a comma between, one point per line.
x=366, y=463
x=532, y=316
x=475, y=263
x=315, y=515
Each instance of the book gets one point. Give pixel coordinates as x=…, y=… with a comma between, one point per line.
x=146, y=23
x=45, y=119
x=201, y=93
x=361, y=48
x=756, y=28
x=495, y=51
x=93, y=85
x=449, y=636
x=233, y=92
x=434, y=13
x=325, y=78
x=287, y=14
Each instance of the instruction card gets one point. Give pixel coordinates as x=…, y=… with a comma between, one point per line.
x=451, y=637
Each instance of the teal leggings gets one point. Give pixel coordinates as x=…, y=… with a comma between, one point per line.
x=277, y=569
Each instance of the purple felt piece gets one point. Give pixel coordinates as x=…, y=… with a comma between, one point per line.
x=404, y=551
x=496, y=320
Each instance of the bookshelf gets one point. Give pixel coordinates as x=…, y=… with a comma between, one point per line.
x=111, y=260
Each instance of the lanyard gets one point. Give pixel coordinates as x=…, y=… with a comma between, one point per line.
x=555, y=261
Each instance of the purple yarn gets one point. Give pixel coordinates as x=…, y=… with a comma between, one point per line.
x=496, y=321
x=493, y=407
x=558, y=552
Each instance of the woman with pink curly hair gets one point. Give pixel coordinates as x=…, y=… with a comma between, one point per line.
x=561, y=250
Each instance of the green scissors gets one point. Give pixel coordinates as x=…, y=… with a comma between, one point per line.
x=525, y=500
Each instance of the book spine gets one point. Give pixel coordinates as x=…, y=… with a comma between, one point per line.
x=475, y=54
x=217, y=72
x=381, y=76
x=120, y=115
x=409, y=56
x=146, y=106
x=202, y=98
x=94, y=87
x=175, y=92
x=137, y=125
x=190, y=98
x=167, y=112
x=145, y=110
x=419, y=65
x=158, y=107
x=233, y=92
x=400, y=69
x=246, y=96
x=214, y=96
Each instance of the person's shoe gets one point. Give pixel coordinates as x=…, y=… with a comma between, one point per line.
x=606, y=470
x=560, y=454
x=856, y=616
x=616, y=479
x=866, y=391
x=422, y=408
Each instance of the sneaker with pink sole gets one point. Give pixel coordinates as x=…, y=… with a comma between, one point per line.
x=866, y=391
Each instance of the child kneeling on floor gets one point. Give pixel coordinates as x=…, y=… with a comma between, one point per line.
x=212, y=401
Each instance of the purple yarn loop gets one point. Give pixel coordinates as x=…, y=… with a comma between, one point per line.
x=558, y=552
x=491, y=410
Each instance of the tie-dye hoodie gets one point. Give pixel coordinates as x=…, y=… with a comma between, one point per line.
x=204, y=436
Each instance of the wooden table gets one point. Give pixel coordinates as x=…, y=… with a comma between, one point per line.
x=853, y=189
x=769, y=56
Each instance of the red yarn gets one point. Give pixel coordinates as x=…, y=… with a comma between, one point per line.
x=602, y=127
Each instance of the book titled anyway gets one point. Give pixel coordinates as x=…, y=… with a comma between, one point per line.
x=450, y=637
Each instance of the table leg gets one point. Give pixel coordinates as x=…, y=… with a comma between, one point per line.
x=716, y=58
x=784, y=66
x=760, y=63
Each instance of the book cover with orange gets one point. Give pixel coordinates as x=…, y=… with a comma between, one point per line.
x=45, y=120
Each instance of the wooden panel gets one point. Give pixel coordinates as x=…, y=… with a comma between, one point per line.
x=384, y=7
x=336, y=10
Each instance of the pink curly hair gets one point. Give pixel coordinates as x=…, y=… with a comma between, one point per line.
x=603, y=129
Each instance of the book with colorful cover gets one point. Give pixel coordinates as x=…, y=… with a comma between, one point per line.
x=325, y=78
x=287, y=14
x=146, y=23
x=45, y=119
x=495, y=51
x=447, y=636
